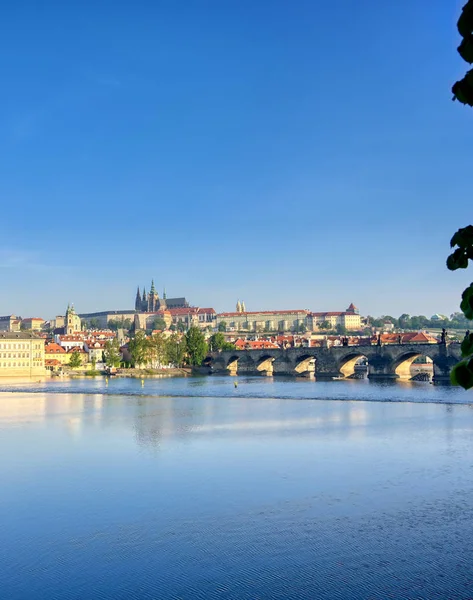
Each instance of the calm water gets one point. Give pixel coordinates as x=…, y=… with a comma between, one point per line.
x=190, y=488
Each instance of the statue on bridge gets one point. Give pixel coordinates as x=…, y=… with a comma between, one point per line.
x=443, y=337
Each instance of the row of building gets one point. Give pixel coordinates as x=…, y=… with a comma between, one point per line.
x=150, y=309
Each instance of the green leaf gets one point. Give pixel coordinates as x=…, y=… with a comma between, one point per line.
x=457, y=260
x=467, y=302
x=467, y=345
x=462, y=375
x=463, y=237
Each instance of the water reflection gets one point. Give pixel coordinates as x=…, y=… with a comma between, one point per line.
x=189, y=489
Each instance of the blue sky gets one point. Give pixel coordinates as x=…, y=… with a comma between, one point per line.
x=292, y=154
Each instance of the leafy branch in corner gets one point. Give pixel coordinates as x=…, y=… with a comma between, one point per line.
x=462, y=373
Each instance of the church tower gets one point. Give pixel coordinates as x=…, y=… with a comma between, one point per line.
x=238, y=307
x=138, y=300
x=153, y=298
x=72, y=321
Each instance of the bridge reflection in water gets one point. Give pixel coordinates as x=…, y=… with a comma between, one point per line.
x=392, y=361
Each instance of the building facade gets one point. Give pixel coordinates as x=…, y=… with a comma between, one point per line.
x=33, y=323
x=10, y=323
x=264, y=320
x=349, y=319
x=21, y=355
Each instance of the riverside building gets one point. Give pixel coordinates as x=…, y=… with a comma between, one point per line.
x=21, y=354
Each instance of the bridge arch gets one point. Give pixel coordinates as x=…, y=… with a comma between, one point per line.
x=264, y=364
x=305, y=365
x=348, y=363
x=402, y=365
x=232, y=364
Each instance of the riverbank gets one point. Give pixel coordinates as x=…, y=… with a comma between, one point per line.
x=134, y=373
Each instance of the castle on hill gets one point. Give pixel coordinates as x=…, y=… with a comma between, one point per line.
x=151, y=302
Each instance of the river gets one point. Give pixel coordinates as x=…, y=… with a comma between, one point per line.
x=197, y=489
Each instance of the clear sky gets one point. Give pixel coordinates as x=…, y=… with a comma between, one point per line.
x=291, y=154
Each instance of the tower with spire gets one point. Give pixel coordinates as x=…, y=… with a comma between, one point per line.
x=138, y=300
x=151, y=302
x=72, y=322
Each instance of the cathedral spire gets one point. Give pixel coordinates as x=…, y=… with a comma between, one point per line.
x=153, y=289
x=144, y=295
x=138, y=299
x=164, y=293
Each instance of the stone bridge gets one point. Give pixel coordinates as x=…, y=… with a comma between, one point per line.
x=391, y=361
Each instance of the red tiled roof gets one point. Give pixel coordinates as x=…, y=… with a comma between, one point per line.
x=53, y=348
x=51, y=362
x=192, y=310
x=254, y=345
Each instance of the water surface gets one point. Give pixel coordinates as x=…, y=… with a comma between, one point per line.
x=190, y=488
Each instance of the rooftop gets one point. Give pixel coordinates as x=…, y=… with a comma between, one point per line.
x=18, y=335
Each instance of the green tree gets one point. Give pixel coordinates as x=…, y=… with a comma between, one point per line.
x=94, y=323
x=216, y=342
x=196, y=346
x=138, y=349
x=325, y=325
x=159, y=323
x=404, y=321
x=112, y=353
x=222, y=326
x=176, y=350
x=463, y=90
x=340, y=329
x=76, y=360
x=301, y=328
x=181, y=326
x=156, y=350
x=462, y=241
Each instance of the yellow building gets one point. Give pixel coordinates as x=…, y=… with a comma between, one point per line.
x=33, y=323
x=349, y=319
x=56, y=352
x=264, y=320
x=21, y=354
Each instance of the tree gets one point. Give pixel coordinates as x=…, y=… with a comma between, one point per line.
x=462, y=373
x=94, y=323
x=301, y=328
x=325, y=325
x=222, y=326
x=175, y=350
x=463, y=90
x=404, y=321
x=159, y=323
x=181, y=326
x=156, y=350
x=112, y=353
x=76, y=360
x=138, y=349
x=196, y=346
x=340, y=329
x=122, y=323
x=216, y=341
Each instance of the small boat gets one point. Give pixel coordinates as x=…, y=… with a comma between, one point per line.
x=338, y=378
